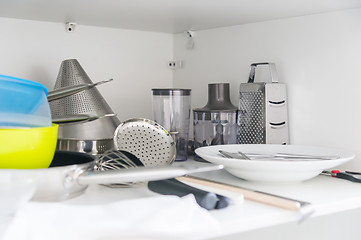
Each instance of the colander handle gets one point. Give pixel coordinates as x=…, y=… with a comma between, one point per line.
x=71, y=90
x=272, y=69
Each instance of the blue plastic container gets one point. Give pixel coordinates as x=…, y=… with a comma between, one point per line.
x=23, y=103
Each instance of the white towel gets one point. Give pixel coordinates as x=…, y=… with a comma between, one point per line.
x=159, y=217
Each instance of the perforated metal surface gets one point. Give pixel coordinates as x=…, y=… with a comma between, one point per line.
x=263, y=110
x=86, y=102
x=89, y=102
x=252, y=117
x=147, y=140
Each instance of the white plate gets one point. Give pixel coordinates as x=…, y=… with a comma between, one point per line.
x=271, y=170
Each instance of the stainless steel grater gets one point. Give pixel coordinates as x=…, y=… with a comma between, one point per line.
x=262, y=116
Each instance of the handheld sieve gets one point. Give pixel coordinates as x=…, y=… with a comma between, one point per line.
x=147, y=140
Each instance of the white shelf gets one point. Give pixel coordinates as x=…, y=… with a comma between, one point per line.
x=170, y=16
x=328, y=196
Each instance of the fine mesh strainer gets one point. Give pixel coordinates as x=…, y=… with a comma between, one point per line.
x=86, y=102
x=147, y=140
x=93, y=137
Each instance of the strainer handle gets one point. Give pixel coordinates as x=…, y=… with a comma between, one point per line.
x=70, y=90
x=272, y=68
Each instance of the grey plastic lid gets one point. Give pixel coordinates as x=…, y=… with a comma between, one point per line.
x=171, y=91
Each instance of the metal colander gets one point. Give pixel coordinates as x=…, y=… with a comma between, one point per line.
x=91, y=137
x=85, y=102
x=147, y=140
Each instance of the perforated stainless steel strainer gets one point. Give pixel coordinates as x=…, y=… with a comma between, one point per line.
x=93, y=137
x=147, y=140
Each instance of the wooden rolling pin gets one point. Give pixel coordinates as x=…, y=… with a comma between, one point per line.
x=248, y=194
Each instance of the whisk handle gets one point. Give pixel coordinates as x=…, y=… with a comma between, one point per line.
x=140, y=174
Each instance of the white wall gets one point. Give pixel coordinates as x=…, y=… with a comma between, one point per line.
x=318, y=57
x=136, y=60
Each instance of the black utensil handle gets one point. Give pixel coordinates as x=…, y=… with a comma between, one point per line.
x=347, y=177
x=204, y=199
x=354, y=173
x=222, y=202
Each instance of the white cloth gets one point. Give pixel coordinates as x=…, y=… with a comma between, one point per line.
x=159, y=217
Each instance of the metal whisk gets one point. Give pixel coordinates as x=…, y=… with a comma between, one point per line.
x=117, y=159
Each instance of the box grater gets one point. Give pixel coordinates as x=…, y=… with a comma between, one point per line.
x=262, y=116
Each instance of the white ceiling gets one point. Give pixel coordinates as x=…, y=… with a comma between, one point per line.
x=170, y=16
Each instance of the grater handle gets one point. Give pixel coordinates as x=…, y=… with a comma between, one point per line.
x=272, y=68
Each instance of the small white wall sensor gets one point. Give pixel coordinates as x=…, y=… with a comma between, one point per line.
x=190, y=35
x=70, y=26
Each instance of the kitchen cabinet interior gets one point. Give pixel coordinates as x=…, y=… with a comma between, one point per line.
x=132, y=41
x=313, y=43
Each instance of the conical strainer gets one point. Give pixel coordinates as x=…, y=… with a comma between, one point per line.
x=90, y=137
